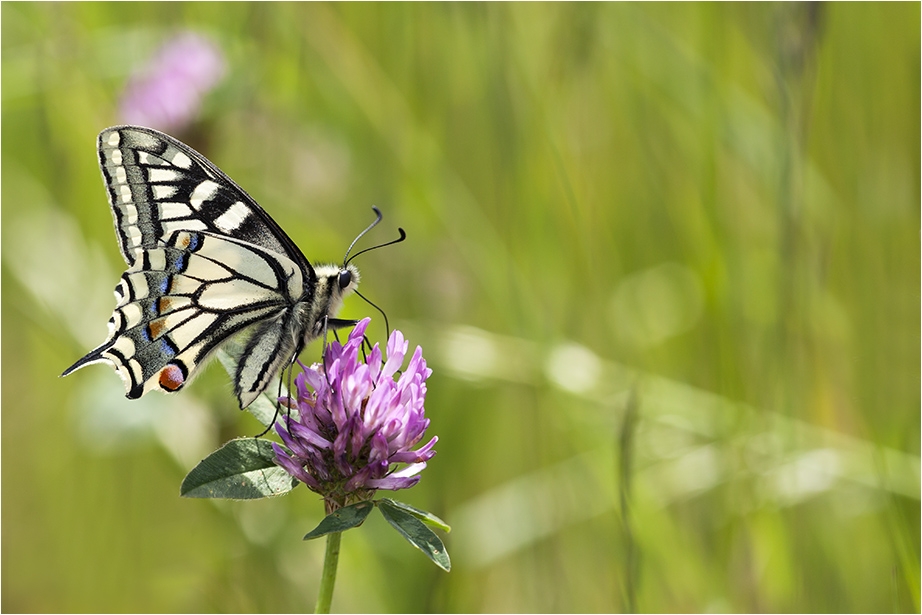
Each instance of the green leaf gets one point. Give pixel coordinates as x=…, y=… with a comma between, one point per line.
x=426, y=517
x=343, y=519
x=242, y=469
x=417, y=533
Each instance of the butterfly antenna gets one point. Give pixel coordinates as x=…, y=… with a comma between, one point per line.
x=403, y=235
x=347, y=259
x=378, y=217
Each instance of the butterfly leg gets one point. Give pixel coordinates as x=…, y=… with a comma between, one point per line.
x=340, y=323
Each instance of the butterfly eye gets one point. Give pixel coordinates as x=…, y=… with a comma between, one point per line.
x=345, y=279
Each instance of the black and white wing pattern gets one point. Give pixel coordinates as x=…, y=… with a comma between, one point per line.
x=205, y=262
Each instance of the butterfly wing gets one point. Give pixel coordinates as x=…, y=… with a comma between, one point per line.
x=205, y=262
x=157, y=185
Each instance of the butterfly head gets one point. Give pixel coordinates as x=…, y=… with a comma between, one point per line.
x=334, y=283
x=348, y=279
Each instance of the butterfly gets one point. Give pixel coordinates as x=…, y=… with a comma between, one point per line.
x=206, y=264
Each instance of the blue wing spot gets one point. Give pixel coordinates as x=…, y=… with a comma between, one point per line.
x=166, y=348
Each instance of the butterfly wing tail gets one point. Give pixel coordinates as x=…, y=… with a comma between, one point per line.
x=109, y=354
x=94, y=356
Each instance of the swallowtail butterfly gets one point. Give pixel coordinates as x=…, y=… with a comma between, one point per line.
x=205, y=263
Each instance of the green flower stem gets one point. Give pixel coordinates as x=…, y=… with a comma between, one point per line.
x=328, y=578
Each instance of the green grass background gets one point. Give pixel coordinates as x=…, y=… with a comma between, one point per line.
x=663, y=260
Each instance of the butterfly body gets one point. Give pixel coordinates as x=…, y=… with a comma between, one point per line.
x=205, y=263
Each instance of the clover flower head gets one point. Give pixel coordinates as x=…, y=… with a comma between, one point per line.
x=167, y=91
x=358, y=421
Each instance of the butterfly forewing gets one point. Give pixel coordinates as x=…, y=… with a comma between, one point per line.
x=205, y=262
x=157, y=185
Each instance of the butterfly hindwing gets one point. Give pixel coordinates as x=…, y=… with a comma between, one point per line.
x=205, y=262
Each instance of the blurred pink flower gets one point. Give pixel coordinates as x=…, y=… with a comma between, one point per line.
x=166, y=93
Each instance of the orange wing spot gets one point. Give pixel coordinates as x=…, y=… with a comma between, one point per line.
x=164, y=305
x=156, y=328
x=183, y=241
x=172, y=378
